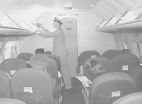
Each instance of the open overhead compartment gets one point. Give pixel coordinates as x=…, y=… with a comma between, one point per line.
x=14, y=32
x=129, y=21
x=128, y=26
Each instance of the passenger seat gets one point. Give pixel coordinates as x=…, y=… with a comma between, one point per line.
x=11, y=65
x=32, y=86
x=107, y=88
x=125, y=62
x=134, y=98
x=5, y=87
x=137, y=75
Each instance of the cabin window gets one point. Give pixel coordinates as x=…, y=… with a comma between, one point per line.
x=11, y=49
x=136, y=49
x=124, y=45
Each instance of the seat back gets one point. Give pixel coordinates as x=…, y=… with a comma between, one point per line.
x=137, y=75
x=106, y=88
x=52, y=68
x=135, y=98
x=10, y=101
x=11, y=65
x=33, y=86
x=56, y=58
x=125, y=62
x=86, y=55
x=39, y=61
x=25, y=56
x=42, y=61
x=103, y=61
x=5, y=88
x=110, y=54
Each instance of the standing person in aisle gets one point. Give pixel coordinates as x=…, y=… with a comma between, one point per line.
x=59, y=48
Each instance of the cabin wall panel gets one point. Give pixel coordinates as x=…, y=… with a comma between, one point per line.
x=30, y=43
x=118, y=41
x=129, y=40
x=133, y=38
x=89, y=38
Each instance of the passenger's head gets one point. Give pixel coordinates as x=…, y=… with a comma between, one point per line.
x=39, y=51
x=95, y=67
x=48, y=52
x=39, y=61
x=57, y=23
x=125, y=51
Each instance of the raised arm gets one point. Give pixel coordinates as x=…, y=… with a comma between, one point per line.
x=46, y=33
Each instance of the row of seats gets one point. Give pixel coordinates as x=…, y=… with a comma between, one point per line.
x=125, y=62
x=24, y=77
x=26, y=86
x=109, y=54
x=118, y=58
x=121, y=63
x=11, y=65
x=123, y=76
x=127, y=66
x=33, y=86
x=107, y=88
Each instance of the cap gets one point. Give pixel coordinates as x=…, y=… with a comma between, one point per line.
x=56, y=19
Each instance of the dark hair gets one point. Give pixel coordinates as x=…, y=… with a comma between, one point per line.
x=125, y=51
x=39, y=51
x=93, y=63
x=48, y=52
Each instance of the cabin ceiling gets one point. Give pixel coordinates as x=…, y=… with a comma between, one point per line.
x=118, y=6
x=19, y=10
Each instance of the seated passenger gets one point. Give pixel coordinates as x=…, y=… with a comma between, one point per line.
x=93, y=69
x=125, y=51
x=40, y=61
x=39, y=51
x=48, y=52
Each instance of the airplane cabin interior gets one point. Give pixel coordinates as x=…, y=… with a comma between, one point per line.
x=101, y=53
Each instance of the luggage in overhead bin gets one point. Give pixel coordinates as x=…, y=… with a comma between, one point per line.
x=11, y=65
x=125, y=62
x=5, y=88
x=107, y=88
x=10, y=101
x=33, y=86
x=137, y=75
x=110, y=54
x=134, y=98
